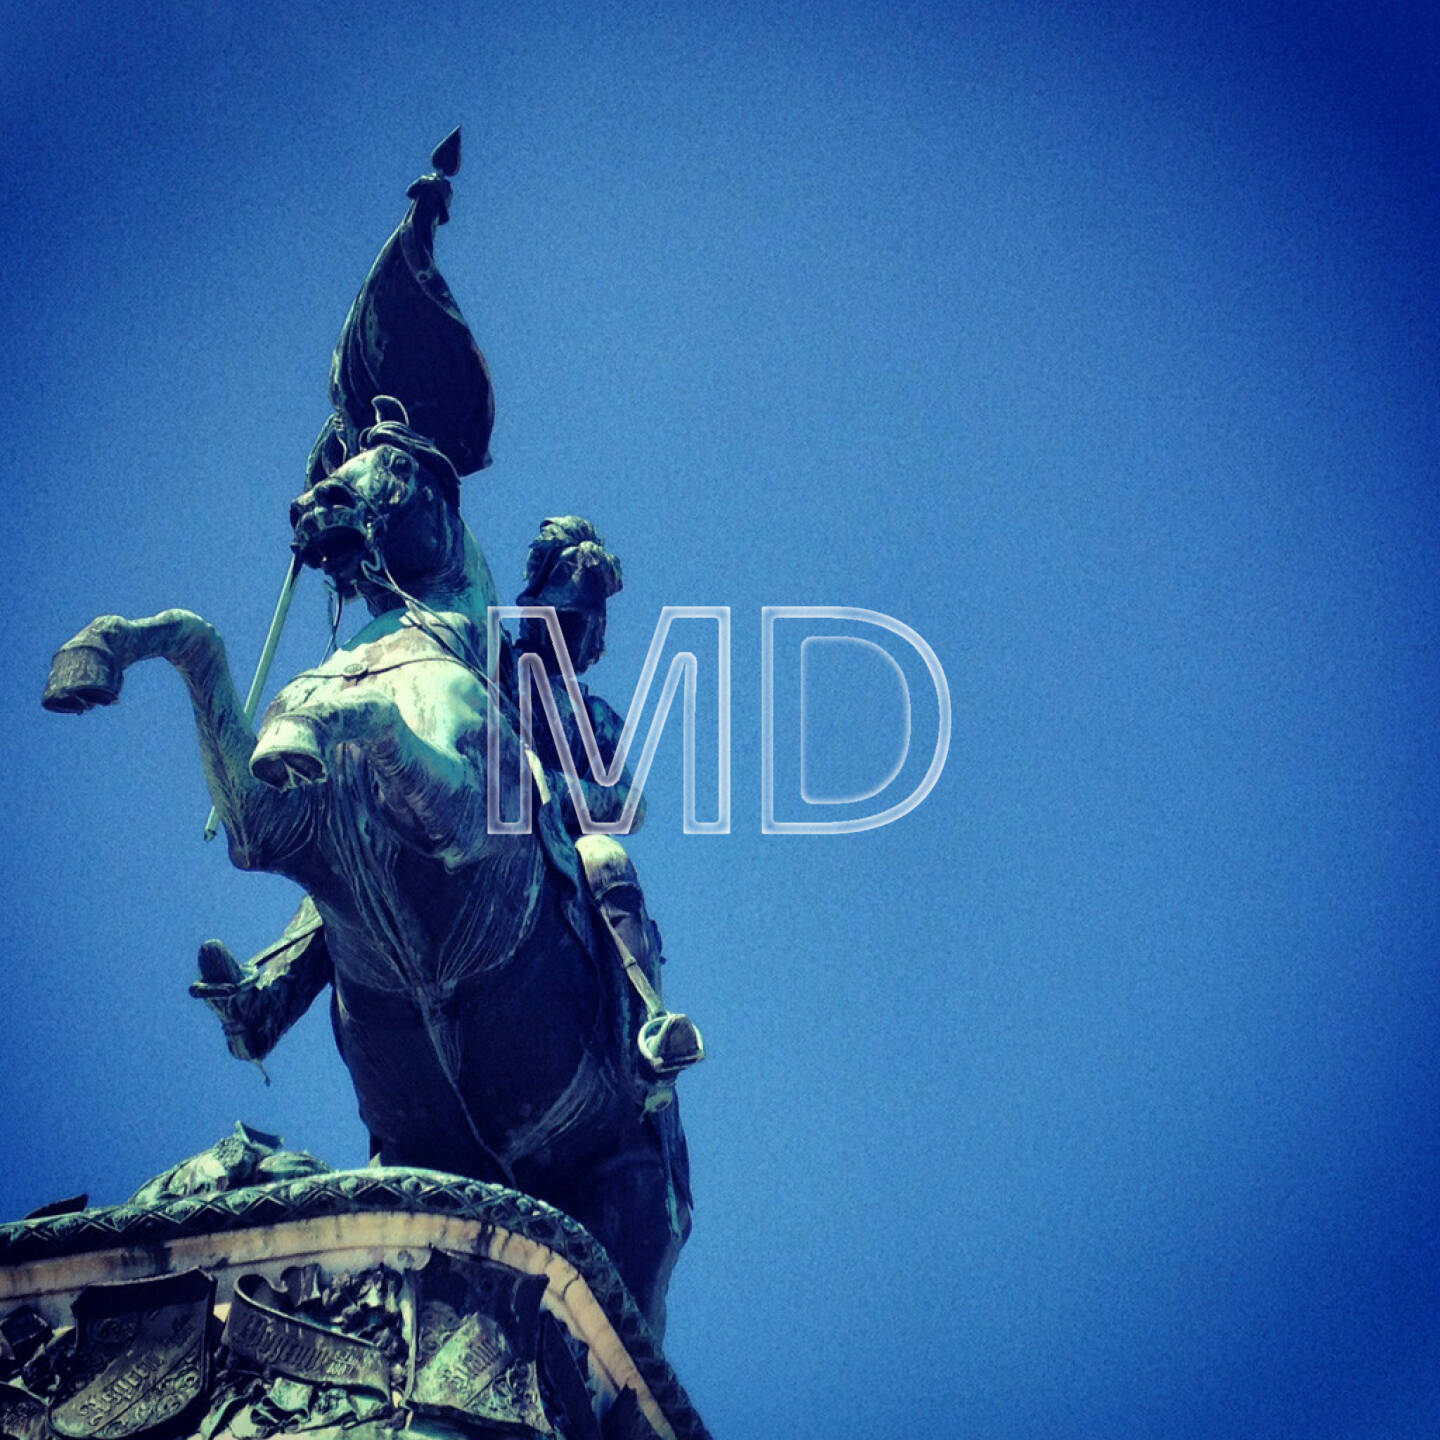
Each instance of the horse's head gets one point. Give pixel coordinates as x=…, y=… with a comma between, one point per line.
x=390, y=513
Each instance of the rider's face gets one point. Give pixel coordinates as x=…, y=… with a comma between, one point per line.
x=579, y=629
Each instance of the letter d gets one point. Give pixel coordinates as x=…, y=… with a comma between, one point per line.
x=769, y=825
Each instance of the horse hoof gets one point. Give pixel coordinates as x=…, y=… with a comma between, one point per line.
x=82, y=676
x=288, y=753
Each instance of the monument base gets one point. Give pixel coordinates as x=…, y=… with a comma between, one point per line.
x=342, y=1304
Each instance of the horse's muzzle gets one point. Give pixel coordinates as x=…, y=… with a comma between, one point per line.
x=335, y=542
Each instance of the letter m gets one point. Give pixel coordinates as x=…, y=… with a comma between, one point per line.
x=531, y=680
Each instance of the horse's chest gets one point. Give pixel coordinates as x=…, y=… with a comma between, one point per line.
x=409, y=918
x=402, y=689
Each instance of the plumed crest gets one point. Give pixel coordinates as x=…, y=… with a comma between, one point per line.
x=569, y=567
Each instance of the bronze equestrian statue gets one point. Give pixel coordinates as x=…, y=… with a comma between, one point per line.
x=494, y=996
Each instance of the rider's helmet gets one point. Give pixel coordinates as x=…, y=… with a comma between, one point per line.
x=569, y=568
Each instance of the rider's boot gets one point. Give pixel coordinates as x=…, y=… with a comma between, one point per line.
x=259, y=1000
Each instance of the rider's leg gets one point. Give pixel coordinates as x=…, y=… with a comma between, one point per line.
x=615, y=888
x=669, y=1042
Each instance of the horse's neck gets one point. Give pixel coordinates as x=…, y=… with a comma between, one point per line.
x=465, y=588
x=460, y=595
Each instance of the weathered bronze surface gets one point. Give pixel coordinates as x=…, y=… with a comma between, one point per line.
x=22, y=1415
x=405, y=336
x=359, y=1304
x=477, y=993
x=477, y=1342
x=245, y=1157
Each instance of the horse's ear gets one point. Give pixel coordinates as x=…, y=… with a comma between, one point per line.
x=390, y=411
x=328, y=453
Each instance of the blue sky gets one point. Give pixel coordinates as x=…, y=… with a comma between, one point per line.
x=1095, y=1097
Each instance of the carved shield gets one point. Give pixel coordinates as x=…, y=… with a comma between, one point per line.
x=476, y=1344
x=140, y=1356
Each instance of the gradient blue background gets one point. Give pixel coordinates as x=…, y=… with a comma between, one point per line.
x=1097, y=1097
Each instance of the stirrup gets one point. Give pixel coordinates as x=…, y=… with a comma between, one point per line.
x=670, y=1043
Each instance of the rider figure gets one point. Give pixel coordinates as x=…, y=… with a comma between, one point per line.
x=570, y=570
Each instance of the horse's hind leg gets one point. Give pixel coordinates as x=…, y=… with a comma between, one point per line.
x=630, y=1205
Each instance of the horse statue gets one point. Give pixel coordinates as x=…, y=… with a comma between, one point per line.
x=494, y=996
x=485, y=1030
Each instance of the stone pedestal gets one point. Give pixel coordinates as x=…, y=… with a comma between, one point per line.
x=345, y=1304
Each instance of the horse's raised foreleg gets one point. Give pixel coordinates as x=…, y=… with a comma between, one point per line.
x=263, y=826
